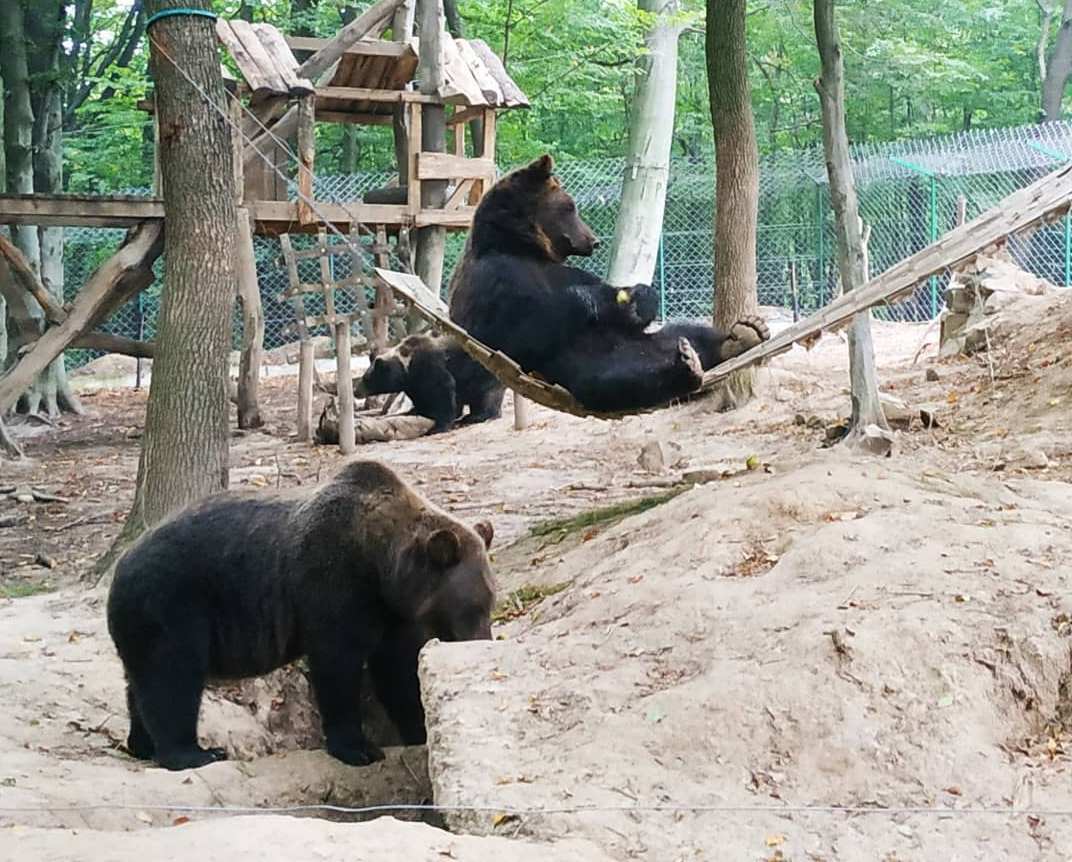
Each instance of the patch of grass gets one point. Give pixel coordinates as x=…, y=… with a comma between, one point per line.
x=24, y=589
x=522, y=600
x=561, y=527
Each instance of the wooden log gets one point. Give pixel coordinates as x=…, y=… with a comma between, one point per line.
x=489, y=87
x=361, y=48
x=345, y=382
x=413, y=148
x=459, y=85
x=283, y=60
x=373, y=429
x=25, y=276
x=306, y=361
x=116, y=281
x=108, y=343
x=512, y=95
x=376, y=16
x=252, y=59
x=381, y=312
x=306, y=155
x=249, y=295
x=431, y=239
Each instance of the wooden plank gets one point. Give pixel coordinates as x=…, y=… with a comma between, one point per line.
x=358, y=119
x=318, y=287
x=493, y=94
x=411, y=288
x=459, y=140
x=295, y=299
x=372, y=19
x=441, y=166
x=79, y=210
x=344, y=383
x=460, y=196
x=237, y=167
x=487, y=150
x=464, y=115
x=326, y=284
x=273, y=83
x=361, y=48
x=512, y=95
x=306, y=155
x=259, y=80
x=341, y=214
x=459, y=85
x=457, y=218
x=368, y=94
x=283, y=59
x=413, y=145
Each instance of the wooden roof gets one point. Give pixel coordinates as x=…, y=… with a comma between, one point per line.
x=473, y=75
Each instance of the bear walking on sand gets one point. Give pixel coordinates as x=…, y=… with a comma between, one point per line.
x=512, y=291
x=439, y=377
x=358, y=569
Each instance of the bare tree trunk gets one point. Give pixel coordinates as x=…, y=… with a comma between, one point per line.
x=184, y=452
x=736, y=179
x=249, y=296
x=852, y=251
x=46, y=29
x=431, y=241
x=18, y=149
x=1059, y=66
x=651, y=138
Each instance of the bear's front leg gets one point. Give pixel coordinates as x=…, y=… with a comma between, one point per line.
x=336, y=680
x=638, y=304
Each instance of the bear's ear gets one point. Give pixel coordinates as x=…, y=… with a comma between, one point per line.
x=485, y=531
x=542, y=168
x=444, y=549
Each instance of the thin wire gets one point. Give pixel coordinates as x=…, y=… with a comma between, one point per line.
x=566, y=809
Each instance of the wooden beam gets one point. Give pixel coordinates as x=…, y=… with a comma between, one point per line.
x=108, y=343
x=282, y=212
x=376, y=16
x=458, y=218
x=24, y=275
x=512, y=95
x=306, y=155
x=355, y=119
x=345, y=386
x=78, y=210
x=283, y=59
x=361, y=48
x=441, y=166
x=252, y=60
x=464, y=115
x=368, y=94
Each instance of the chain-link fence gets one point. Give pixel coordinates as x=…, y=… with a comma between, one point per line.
x=909, y=195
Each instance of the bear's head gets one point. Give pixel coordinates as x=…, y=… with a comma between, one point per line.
x=528, y=212
x=443, y=582
x=388, y=370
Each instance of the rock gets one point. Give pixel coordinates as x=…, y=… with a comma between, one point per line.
x=1035, y=458
x=931, y=376
x=658, y=455
x=897, y=412
x=874, y=440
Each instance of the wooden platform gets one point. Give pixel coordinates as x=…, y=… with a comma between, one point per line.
x=272, y=217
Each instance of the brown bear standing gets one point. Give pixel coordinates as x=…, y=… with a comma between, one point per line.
x=358, y=569
x=514, y=292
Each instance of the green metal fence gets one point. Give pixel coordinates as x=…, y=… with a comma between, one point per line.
x=909, y=193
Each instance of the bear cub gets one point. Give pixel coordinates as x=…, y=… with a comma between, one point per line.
x=360, y=569
x=439, y=377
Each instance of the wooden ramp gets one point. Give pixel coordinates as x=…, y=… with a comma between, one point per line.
x=1043, y=200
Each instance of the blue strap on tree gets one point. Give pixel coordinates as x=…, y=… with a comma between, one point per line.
x=167, y=13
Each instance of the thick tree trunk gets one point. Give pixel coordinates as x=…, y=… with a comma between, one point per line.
x=1058, y=67
x=736, y=179
x=852, y=251
x=184, y=452
x=46, y=30
x=651, y=138
x=431, y=241
x=18, y=150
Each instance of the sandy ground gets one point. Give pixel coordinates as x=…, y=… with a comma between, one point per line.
x=822, y=631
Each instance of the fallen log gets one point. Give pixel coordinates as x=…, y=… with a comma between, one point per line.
x=372, y=429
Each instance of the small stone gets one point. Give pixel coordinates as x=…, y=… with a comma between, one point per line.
x=932, y=375
x=657, y=455
x=1036, y=458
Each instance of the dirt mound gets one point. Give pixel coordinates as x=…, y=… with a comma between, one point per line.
x=840, y=634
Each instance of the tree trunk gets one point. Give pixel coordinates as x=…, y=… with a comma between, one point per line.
x=184, y=453
x=431, y=241
x=46, y=30
x=651, y=138
x=852, y=251
x=18, y=149
x=1059, y=66
x=736, y=179
x=249, y=296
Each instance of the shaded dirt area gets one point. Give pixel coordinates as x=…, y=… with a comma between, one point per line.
x=763, y=625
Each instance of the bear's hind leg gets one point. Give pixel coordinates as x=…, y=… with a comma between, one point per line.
x=139, y=742
x=167, y=687
x=646, y=372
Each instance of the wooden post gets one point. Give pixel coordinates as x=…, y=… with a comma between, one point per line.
x=344, y=385
x=249, y=295
x=794, y=292
x=305, y=390
x=402, y=31
x=158, y=182
x=306, y=155
x=962, y=210
x=384, y=301
x=521, y=412
x=431, y=241
x=236, y=153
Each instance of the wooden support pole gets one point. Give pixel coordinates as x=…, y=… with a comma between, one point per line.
x=305, y=390
x=237, y=145
x=306, y=155
x=345, y=386
x=521, y=412
x=431, y=241
x=249, y=295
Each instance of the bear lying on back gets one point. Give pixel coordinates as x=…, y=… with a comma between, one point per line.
x=439, y=377
x=513, y=291
x=358, y=569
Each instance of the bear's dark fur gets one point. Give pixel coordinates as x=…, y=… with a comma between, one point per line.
x=360, y=568
x=513, y=291
x=439, y=378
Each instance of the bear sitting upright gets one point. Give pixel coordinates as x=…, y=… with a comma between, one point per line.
x=513, y=291
x=360, y=568
x=439, y=377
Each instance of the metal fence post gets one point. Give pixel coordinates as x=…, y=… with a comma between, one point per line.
x=821, y=263
x=932, y=176
x=661, y=263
